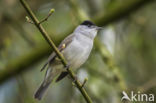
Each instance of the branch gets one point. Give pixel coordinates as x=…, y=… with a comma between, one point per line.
x=51, y=43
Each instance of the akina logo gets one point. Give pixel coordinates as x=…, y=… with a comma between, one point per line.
x=137, y=97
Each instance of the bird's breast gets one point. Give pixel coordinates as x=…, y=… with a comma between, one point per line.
x=77, y=52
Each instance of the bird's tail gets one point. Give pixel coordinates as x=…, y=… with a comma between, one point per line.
x=45, y=84
x=51, y=73
x=41, y=90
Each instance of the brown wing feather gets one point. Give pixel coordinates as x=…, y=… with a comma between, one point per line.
x=61, y=76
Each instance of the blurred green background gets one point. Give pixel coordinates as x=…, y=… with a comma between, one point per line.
x=123, y=57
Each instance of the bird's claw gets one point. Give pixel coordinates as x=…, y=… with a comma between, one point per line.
x=67, y=66
x=74, y=80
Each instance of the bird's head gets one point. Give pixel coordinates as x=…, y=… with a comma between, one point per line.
x=88, y=29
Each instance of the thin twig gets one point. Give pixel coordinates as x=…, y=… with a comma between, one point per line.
x=84, y=82
x=28, y=20
x=46, y=36
x=49, y=14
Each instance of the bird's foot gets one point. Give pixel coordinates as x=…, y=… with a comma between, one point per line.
x=74, y=80
x=67, y=66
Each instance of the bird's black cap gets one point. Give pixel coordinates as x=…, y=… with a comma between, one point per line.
x=87, y=23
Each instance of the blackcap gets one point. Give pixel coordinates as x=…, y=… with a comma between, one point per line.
x=75, y=48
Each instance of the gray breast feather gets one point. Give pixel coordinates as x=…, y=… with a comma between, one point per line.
x=77, y=52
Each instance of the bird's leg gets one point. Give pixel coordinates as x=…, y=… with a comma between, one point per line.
x=74, y=80
x=67, y=66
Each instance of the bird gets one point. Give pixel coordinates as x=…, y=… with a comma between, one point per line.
x=76, y=49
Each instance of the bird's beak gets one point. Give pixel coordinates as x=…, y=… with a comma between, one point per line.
x=99, y=28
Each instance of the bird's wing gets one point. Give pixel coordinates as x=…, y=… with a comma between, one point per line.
x=61, y=76
x=61, y=47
